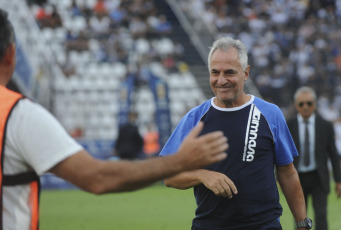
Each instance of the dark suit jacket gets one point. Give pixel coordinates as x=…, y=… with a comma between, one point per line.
x=324, y=149
x=129, y=143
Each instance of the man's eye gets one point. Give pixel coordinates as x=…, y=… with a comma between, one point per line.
x=230, y=72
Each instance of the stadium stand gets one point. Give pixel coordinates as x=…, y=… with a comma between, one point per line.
x=96, y=45
x=100, y=57
x=291, y=43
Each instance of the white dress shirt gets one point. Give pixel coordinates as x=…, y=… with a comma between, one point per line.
x=301, y=129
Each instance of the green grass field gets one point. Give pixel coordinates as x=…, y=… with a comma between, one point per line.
x=153, y=208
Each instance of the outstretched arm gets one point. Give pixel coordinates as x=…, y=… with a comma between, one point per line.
x=99, y=177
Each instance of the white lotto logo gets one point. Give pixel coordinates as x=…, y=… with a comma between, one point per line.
x=251, y=134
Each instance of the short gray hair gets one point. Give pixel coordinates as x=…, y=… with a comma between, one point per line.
x=305, y=89
x=224, y=44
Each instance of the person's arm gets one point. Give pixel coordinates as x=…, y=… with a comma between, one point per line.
x=217, y=182
x=290, y=184
x=184, y=180
x=99, y=177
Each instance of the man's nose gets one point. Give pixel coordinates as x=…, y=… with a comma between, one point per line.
x=221, y=79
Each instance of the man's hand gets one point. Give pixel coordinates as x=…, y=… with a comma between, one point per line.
x=338, y=189
x=218, y=183
x=199, y=151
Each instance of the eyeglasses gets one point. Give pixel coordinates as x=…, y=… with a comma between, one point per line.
x=309, y=103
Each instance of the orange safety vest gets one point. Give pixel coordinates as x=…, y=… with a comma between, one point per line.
x=8, y=100
x=151, y=143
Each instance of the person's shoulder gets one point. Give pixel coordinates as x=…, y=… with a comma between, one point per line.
x=320, y=119
x=261, y=101
x=292, y=122
x=28, y=110
x=266, y=105
x=28, y=105
x=270, y=111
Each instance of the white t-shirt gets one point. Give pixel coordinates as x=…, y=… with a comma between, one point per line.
x=35, y=140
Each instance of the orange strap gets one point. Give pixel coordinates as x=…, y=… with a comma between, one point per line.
x=8, y=100
x=34, y=205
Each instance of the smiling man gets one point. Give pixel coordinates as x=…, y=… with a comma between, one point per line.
x=241, y=191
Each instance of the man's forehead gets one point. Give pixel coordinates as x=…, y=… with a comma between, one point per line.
x=304, y=96
x=224, y=62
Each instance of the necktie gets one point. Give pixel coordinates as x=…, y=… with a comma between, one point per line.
x=306, y=155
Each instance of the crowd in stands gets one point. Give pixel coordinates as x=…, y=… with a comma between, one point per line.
x=132, y=33
x=291, y=43
x=109, y=29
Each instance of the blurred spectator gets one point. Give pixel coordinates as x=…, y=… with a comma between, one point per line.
x=137, y=27
x=314, y=137
x=74, y=9
x=169, y=63
x=117, y=15
x=78, y=132
x=48, y=16
x=100, y=25
x=41, y=16
x=76, y=41
x=100, y=7
x=151, y=141
x=128, y=134
x=55, y=20
x=163, y=26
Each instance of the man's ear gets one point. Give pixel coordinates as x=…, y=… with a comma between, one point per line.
x=7, y=64
x=9, y=58
x=247, y=72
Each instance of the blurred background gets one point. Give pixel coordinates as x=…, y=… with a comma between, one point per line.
x=92, y=62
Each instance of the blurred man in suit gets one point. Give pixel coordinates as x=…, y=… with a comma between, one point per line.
x=129, y=133
x=315, y=139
